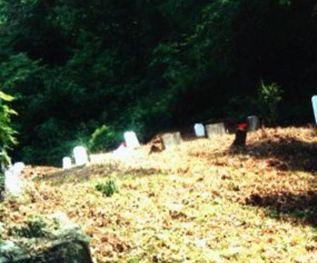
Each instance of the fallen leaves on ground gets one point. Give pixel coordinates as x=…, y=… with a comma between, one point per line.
x=198, y=202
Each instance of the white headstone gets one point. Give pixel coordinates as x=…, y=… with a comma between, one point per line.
x=131, y=140
x=18, y=168
x=13, y=182
x=67, y=163
x=122, y=152
x=314, y=101
x=199, y=130
x=80, y=155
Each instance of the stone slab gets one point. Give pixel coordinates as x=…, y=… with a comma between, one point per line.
x=171, y=139
x=215, y=129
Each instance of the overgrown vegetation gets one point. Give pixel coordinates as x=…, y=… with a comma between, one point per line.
x=103, y=138
x=148, y=66
x=7, y=138
x=269, y=98
x=107, y=188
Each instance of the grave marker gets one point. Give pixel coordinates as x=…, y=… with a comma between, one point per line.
x=131, y=140
x=13, y=182
x=199, y=130
x=314, y=101
x=67, y=163
x=80, y=155
x=215, y=129
x=253, y=123
x=18, y=167
x=171, y=139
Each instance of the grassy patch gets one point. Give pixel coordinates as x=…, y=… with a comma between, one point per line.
x=107, y=188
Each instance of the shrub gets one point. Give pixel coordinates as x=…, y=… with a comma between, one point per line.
x=269, y=98
x=108, y=188
x=6, y=135
x=103, y=138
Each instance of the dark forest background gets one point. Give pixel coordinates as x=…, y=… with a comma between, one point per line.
x=85, y=71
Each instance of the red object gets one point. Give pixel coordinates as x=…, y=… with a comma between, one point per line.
x=242, y=126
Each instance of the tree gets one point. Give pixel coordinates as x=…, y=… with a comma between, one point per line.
x=149, y=65
x=7, y=138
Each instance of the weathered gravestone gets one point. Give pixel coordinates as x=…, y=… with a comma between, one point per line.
x=314, y=101
x=215, y=129
x=253, y=123
x=13, y=181
x=65, y=244
x=199, y=130
x=131, y=140
x=67, y=163
x=171, y=139
x=80, y=155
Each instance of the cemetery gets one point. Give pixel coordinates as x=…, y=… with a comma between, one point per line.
x=158, y=131
x=197, y=189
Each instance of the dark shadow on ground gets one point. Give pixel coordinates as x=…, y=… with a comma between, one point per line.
x=289, y=154
x=285, y=154
x=301, y=208
x=85, y=173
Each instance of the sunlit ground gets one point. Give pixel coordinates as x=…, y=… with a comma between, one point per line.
x=198, y=202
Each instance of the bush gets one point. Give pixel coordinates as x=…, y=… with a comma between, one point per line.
x=108, y=188
x=6, y=135
x=103, y=138
x=269, y=98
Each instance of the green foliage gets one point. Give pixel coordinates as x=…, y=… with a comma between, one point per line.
x=269, y=98
x=33, y=228
x=6, y=131
x=149, y=66
x=103, y=138
x=107, y=188
x=6, y=134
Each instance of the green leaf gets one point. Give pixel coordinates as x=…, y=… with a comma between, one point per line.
x=6, y=97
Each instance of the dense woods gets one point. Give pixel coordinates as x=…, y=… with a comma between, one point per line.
x=85, y=71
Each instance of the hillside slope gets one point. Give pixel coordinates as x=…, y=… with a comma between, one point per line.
x=198, y=202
